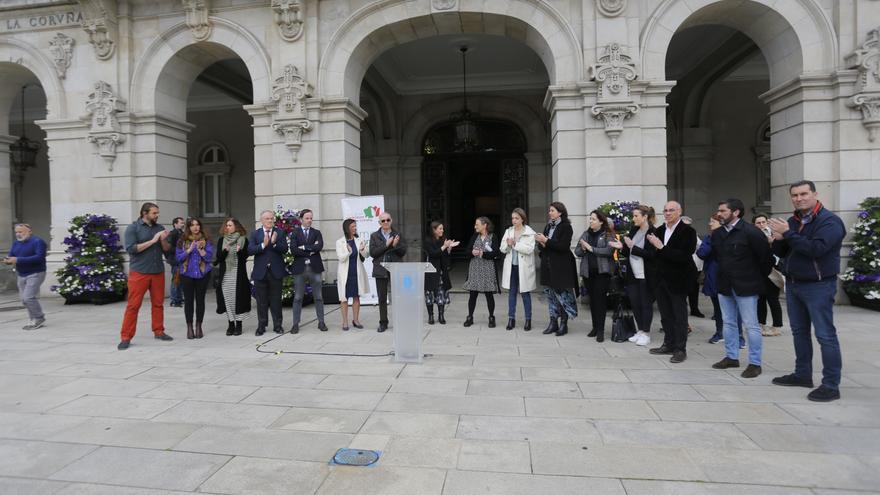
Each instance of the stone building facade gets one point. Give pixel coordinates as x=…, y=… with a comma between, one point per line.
x=229, y=107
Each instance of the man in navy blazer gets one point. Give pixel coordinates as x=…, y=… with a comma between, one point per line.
x=267, y=245
x=306, y=244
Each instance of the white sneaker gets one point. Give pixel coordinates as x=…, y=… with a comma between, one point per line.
x=636, y=336
x=644, y=339
x=29, y=326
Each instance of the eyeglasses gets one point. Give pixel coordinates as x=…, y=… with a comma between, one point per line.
x=387, y=220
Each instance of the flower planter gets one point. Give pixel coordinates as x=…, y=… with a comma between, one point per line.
x=97, y=298
x=860, y=301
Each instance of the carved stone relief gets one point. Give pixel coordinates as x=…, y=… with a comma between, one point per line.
x=614, y=105
x=611, y=8
x=61, y=47
x=102, y=106
x=867, y=98
x=289, y=15
x=197, y=18
x=289, y=92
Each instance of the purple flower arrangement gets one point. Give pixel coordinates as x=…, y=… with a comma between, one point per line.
x=287, y=221
x=621, y=213
x=94, y=262
x=862, y=276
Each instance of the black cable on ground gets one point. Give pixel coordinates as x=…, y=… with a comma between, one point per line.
x=391, y=353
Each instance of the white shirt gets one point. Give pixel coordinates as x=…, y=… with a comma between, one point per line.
x=728, y=227
x=669, y=231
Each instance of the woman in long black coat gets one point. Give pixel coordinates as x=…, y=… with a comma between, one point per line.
x=235, y=288
x=558, y=269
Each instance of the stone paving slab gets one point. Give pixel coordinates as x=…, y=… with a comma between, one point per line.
x=143, y=468
x=489, y=411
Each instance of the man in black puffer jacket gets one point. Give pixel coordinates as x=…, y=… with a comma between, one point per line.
x=743, y=257
x=809, y=245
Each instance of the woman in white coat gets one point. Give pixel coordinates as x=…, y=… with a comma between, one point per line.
x=518, y=245
x=351, y=277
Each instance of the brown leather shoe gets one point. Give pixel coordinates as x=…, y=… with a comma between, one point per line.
x=751, y=371
x=726, y=363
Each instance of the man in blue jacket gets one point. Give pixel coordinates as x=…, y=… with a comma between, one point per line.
x=267, y=245
x=809, y=244
x=28, y=256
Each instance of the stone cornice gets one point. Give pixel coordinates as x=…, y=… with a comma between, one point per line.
x=335, y=109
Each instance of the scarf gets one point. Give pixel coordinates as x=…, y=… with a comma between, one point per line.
x=229, y=240
x=186, y=243
x=804, y=219
x=553, y=224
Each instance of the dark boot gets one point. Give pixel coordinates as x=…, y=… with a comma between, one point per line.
x=510, y=324
x=238, y=328
x=600, y=336
x=189, y=331
x=553, y=327
x=199, y=333
x=469, y=321
x=528, y=325
x=440, y=316
x=592, y=333
x=230, y=330
x=563, y=326
x=430, y=314
x=491, y=322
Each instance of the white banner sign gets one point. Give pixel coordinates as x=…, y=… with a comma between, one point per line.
x=365, y=210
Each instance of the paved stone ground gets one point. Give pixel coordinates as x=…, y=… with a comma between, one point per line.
x=490, y=412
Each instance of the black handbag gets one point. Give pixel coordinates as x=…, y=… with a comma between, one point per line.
x=623, y=325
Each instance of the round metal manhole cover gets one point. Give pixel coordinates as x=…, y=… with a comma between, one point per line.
x=355, y=457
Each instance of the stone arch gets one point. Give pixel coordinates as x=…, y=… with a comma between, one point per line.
x=522, y=116
x=21, y=54
x=168, y=66
x=386, y=23
x=774, y=26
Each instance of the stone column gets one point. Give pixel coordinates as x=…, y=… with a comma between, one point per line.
x=565, y=105
x=7, y=278
x=697, y=155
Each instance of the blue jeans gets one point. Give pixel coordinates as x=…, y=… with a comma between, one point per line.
x=734, y=308
x=176, y=292
x=511, y=296
x=813, y=302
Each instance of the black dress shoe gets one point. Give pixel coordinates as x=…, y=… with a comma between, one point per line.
x=278, y=330
x=322, y=327
x=592, y=333
x=528, y=325
x=600, y=336
x=123, y=345
x=491, y=322
x=661, y=350
x=382, y=328
x=468, y=321
x=356, y=324
x=294, y=328
x=510, y=324
x=824, y=394
x=260, y=331
x=751, y=371
x=678, y=357
x=697, y=314
x=164, y=336
x=726, y=363
x=793, y=380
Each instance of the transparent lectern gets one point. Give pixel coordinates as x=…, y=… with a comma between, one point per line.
x=408, y=309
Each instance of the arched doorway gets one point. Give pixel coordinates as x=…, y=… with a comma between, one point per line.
x=473, y=172
x=24, y=160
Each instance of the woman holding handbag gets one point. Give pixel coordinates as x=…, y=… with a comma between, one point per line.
x=596, y=268
x=351, y=277
x=231, y=285
x=558, y=269
x=194, y=253
x=518, y=275
x=640, y=273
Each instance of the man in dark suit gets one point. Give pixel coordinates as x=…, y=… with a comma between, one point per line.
x=386, y=246
x=675, y=243
x=306, y=244
x=267, y=245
